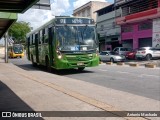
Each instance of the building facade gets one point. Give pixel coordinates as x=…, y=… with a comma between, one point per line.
x=88, y=10
x=108, y=31
x=2, y=42
x=140, y=22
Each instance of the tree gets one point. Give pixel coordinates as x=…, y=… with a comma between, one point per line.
x=18, y=31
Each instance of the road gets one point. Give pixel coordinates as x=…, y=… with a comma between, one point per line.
x=139, y=81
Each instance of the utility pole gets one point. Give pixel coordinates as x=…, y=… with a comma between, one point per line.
x=6, y=47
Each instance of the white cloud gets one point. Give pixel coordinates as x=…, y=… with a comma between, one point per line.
x=79, y=3
x=37, y=17
x=60, y=6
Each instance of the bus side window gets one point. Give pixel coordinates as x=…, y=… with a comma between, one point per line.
x=28, y=41
x=33, y=40
x=40, y=39
x=36, y=38
x=46, y=35
x=43, y=32
x=51, y=35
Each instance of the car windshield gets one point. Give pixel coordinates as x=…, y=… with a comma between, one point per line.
x=112, y=53
x=76, y=38
x=142, y=49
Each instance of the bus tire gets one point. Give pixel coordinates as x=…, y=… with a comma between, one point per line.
x=48, y=68
x=81, y=68
x=32, y=60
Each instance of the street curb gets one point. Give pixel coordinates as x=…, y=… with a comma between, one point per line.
x=133, y=64
x=120, y=63
x=149, y=65
x=109, y=63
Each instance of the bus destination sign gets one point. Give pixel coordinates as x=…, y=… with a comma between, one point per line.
x=74, y=21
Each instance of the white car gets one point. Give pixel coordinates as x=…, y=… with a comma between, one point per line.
x=111, y=56
x=121, y=50
x=148, y=53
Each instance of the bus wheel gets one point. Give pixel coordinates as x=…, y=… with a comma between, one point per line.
x=48, y=68
x=33, y=63
x=81, y=68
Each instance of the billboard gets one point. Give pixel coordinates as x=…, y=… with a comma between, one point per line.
x=156, y=33
x=42, y=4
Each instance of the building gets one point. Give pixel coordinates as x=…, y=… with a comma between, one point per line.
x=2, y=42
x=88, y=10
x=108, y=31
x=140, y=22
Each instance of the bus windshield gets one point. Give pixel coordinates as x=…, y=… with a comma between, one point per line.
x=76, y=38
x=18, y=49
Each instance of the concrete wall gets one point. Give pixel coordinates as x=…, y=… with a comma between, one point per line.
x=88, y=10
x=106, y=25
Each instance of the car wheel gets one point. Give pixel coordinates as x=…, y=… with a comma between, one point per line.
x=148, y=57
x=112, y=60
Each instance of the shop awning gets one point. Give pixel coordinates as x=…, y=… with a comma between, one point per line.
x=6, y=20
x=9, y=10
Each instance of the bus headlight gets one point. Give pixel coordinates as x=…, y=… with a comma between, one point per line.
x=59, y=55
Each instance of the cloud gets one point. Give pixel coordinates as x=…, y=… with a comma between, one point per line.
x=37, y=17
x=59, y=6
x=79, y=3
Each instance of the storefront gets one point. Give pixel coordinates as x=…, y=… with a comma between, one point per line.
x=137, y=35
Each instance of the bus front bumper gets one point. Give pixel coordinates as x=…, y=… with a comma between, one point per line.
x=77, y=64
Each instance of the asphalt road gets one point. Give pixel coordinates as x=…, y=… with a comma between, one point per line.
x=140, y=81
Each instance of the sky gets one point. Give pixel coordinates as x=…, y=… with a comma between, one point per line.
x=37, y=17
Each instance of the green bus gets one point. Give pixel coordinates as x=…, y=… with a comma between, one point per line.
x=64, y=43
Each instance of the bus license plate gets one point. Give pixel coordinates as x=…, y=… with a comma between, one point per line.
x=80, y=63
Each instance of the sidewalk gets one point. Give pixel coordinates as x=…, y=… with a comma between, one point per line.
x=2, y=58
x=41, y=91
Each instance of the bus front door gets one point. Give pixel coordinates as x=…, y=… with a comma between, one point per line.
x=51, y=38
x=36, y=47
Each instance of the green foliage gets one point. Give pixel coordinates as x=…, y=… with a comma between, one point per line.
x=19, y=30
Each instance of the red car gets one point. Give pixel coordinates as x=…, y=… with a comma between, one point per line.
x=131, y=54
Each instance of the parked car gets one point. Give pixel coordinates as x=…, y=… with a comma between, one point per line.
x=148, y=53
x=131, y=54
x=111, y=56
x=121, y=50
